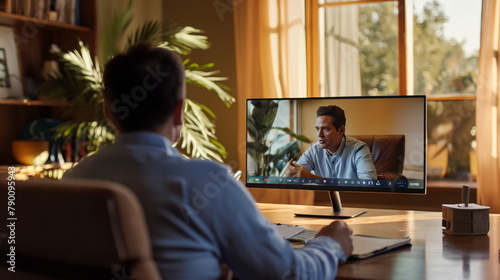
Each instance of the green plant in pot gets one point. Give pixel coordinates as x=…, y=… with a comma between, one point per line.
x=269, y=155
x=79, y=81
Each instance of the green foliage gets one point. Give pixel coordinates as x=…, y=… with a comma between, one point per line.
x=267, y=161
x=440, y=64
x=440, y=67
x=79, y=81
x=378, y=49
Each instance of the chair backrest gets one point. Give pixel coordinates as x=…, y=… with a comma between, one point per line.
x=388, y=151
x=79, y=229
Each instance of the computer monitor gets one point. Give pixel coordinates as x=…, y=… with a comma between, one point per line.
x=383, y=147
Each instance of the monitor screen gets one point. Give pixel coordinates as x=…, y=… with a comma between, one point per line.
x=369, y=144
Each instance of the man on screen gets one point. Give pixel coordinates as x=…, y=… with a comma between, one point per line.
x=334, y=155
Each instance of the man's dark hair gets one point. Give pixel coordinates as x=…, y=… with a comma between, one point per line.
x=143, y=86
x=333, y=111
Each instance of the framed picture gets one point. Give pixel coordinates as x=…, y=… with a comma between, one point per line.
x=10, y=78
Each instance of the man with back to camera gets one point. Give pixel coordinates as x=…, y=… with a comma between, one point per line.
x=334, y=155
x=207, y=218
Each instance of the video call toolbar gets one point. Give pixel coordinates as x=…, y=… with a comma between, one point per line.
x=335, y=182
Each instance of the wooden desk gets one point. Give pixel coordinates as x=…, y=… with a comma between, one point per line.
x=433, y=255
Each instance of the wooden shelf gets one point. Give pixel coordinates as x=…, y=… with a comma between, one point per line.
x=34, y=39
x=15, y=20
x=26, y=102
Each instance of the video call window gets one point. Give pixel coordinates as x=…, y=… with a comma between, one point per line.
x=281, y=129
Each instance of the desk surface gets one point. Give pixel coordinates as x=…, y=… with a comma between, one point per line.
x=433, y=255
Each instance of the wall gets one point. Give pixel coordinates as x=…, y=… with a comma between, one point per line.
x=375, y=116
x=218, y=26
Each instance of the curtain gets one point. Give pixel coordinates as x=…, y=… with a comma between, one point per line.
x=270, y=63
x=487, y=113
x=341, y=68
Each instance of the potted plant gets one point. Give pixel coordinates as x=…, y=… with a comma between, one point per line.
x=79, y=81
x=268, y=157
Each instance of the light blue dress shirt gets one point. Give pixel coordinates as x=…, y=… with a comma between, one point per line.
x=207, y=219
x=351, y=160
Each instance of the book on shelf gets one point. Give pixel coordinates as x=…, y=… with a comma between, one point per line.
x=62, y=11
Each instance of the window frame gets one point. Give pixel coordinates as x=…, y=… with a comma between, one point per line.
x=312, y=8
x=313, y=57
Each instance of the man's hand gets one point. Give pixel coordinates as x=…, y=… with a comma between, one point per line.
x=297, y=170
x=340, y=232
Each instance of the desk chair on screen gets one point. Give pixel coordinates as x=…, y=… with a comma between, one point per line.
x=79, y=229
x=388, y=154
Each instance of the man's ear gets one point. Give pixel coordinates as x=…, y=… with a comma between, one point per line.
x=178, y=112
x=342, y=129
x=106, y=111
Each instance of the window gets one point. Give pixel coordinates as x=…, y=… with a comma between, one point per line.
x=391, y=47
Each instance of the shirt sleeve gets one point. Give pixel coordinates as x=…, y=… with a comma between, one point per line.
x=253, y=249
x=316, y=261
x=307, y=159
x=364, y=164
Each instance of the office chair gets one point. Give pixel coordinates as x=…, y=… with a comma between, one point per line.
x=77, y=229
x=388, y=154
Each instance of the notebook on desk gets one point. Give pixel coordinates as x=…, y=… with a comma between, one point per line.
x=365, y=246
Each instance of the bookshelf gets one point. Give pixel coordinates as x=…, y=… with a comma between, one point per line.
x=9, y=19
x=34, y=37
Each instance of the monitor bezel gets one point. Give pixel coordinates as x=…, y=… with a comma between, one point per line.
x=348, y=187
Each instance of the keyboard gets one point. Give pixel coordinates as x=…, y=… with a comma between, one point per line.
x=294, y=233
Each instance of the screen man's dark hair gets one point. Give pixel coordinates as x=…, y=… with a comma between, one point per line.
x=333, y=111
x=143, y=86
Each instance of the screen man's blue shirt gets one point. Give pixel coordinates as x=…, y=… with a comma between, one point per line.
x=199, y=216
x=352, y=160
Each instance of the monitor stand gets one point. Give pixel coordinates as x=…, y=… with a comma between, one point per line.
x=336, y=211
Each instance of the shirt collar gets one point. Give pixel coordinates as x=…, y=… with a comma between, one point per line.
x=146, y=139
x=339, y=151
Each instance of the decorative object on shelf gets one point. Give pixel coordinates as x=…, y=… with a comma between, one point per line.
x=44, y=130
x=10, y=79
x=79, y=81
x=35, y=146
x=30, y=152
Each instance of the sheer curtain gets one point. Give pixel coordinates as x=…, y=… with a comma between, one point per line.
x=342, y=75
x=271, y=62
x=487, y=113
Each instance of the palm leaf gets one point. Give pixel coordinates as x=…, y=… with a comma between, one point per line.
x=184, y=39
x=299, y=137
x=95, y=134
x=150, y=31
x=198, y=137
x=81, y=63
x=196, y=75
x=80, y=82
x=114, y=31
